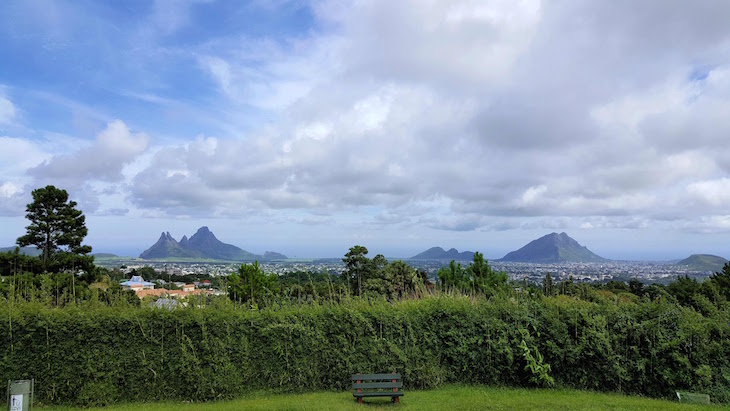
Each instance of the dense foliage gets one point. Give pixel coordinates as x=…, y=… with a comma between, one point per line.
x=378, y=277
x=598, y=340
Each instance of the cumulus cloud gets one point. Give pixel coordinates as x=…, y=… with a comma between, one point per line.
x=102, y=160
x=506, y=110
x=715, y=193
x=13, y=199
x=459, y=115
x=18, y=155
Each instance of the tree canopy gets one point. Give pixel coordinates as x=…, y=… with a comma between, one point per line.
x=251, y=283
x=56, y=227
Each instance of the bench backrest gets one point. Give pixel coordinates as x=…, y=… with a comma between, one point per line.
x=365, y=381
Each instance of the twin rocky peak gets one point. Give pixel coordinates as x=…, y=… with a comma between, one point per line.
x=202, y=245
x=552, y=248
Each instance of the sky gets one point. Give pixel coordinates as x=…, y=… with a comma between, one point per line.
x=307, y=127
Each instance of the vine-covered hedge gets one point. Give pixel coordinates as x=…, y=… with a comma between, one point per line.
x=100, y=355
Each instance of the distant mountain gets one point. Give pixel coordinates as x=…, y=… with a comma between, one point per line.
x=202, y=245
x=205, y=243
x=272, y=255
x=167, y=247
x=104, y=255
x=553, y=248
x=438, y=253
x=31, y=251
x=703, y=262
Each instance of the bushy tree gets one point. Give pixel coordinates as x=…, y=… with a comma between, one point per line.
x=684, y=289
x=636, y=287
x=57, y=228
x=484, y=278
x=251, y=283
x=404, y=278
x=454, y=277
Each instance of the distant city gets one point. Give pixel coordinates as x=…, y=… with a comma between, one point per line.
x=646, y=271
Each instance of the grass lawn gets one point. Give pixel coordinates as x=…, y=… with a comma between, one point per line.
x=450, y=397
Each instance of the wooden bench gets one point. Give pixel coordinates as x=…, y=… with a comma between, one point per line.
x=377, y=385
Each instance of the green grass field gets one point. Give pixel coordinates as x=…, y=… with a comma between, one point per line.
x=450, y=397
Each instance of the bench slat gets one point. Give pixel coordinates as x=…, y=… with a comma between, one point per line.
x=365, y=377
x=378, y=394
x=366, y=385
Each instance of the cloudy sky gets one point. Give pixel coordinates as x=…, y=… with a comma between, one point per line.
x=308, y=127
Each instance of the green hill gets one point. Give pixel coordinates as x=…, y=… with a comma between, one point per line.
x=703, y=262
x=105, y=255
x=553, y=248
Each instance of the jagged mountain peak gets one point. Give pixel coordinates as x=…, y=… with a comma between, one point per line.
x=202, y=244
x=203, y=230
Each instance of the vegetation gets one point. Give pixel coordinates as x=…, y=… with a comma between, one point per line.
x=449, y=397
x=250, y=284
x=88, y=342
x=57, y=228
x=599, y=341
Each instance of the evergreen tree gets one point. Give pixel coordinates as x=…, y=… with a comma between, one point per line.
x=547, y=285
x=56, y=226
x=358, y=268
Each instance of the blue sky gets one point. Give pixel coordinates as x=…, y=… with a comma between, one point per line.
x=307, y=127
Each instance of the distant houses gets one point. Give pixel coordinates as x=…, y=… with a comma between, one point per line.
x=145, y=288
x=137, y=284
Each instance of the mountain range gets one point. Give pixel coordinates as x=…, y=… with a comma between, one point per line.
x=202, y=245
x=438, y=253
x=553, y=248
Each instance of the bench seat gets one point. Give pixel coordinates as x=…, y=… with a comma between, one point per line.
x=377, y=385
x=378, y=394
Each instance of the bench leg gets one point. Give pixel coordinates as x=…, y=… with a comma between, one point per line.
x=359, y=400
x=397, y=400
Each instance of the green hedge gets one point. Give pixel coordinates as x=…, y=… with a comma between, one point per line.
x=93, y=356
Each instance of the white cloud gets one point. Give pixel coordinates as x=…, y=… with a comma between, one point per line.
x=13, y=198
x=102, y=160
x=220, y=70
x=17, y=155
x=8, y=189
x=715, y=193
x=533, y=194
x=7, y=110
